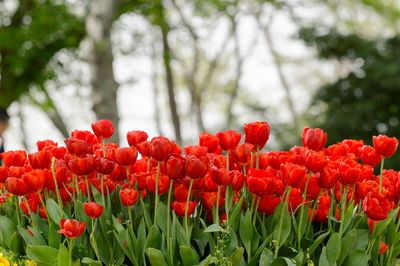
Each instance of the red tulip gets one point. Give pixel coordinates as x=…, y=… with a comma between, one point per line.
x=163, y=184
x=71, y=228
x=16, y=186
x=144, y=148
x=180, y=193
x=13, y=158
x=220, y=176
x=129, y=196
x=119, y=173
x=40, y=159
x=354, y=145
x=103, y=129
x=35, y=179
x=384, y=145
x=369, y=156
x=328, y=176
x=82, y=166
x=175, y=166
x=350, y=175
x=237, y=179
x=228, y=140
x=259, y=182
x=383, y=248
x=313, y=188
x=126, y=156
x=376, y=206
x=210, y=141
x=3, y=174
x=242, y=153
x=364, y=187
x=87, y=136
x=292, y=174
x=180, y=207
x=41, y=145
x=77, y=147
x=103, y=165
x=314, y=139
x=268, y=204
x=197, y=150
x=135, y=137
x=17, y=171
x=314, y=161
x=322, y=212
x=257, y=133
x=93, y=210
x=42, y=212
x=160, y=148
x=33, y=205
x=209, y=199
x=195, y=166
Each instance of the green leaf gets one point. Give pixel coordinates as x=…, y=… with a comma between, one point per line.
x=236, y=256
x=54, y=237
x=141, y=240
x=317, y=242
x=63, y=256
x=234, y=218
x=162, y=212
x=7, y=228
x=246, y=231
x=54, y=211
x=41, y=224
x=266, y=257
x=154, y=238
x=348, y=216
x=16, y=243
x=156, y=257
x=286, y=228
x=356, y=257
x=348, y=242
x=333, y=248
x=189, y=256
x=214, y=228
x=90, y=261
x=42, y=254
x=28, y=238
x=383, y=224
x=362, y=239
x=323, y=261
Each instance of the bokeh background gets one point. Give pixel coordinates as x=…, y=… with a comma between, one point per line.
x=181, y=67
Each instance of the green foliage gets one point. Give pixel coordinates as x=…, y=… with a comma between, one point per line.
x=36, y=32
x=365, y=102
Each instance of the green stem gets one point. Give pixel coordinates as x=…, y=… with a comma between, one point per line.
x=169, y=244
x=102, y=189
x=70, y=252
x=258, y=157
x=148, y=164
x=186, y=212
x=156, y=203
x=312, y=213
x=227, y=160
x=330, y=225
x=94, y=243
x=342, y=206
x=281, y=222
x=256, y=211
x=251, y=161
x=56, y=186
x=380, y=177
x=87, y=188
x=299, y=235
x=216, y=216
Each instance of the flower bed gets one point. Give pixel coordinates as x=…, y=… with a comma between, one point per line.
x=221, y=203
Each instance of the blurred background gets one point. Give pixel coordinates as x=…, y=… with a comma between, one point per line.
x=181, y=67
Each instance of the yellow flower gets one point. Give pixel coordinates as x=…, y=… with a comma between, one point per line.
x=3, y=261
x=30, y=263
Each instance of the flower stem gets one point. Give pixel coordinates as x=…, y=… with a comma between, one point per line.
x=56, y=186
x=156, y=203
x=87, y=188
x=380, y=177
x=186, y=212
x=258, y=157
x=94, y=243
x=216, y=216
x=302, y=212
x=169, y=244
x=70, y=251
x=256, y=210
x=312, y=213
x=281, y=222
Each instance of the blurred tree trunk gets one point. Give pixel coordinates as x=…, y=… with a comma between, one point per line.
x=104, y=87
x=155, y=89
x=160, y=20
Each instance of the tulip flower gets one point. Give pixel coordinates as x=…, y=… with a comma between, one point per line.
x=71, y=228
x=180, y=193
x=160, y=148
x=268, y=203
x=382, y=248
x=103, y=165
x=385, y=146
x=135, y=137
x=259, y=182
x=93, y=210
x=129, y=196
x=40, y=159
x=328, y=176
x=41, y=145
x=35, y=180
x=257, y=133
x=210, y=141
x=33, y=204
x=242, y=153
x=16, y=186
x=292, y=174
x=175, y=166
x=370, y=156
x=3, y=174
x=376, y=206
x=195, y=166
x=314, y=139
x=228, y=140
x=197, y=150
x=126, y=156
x=82, y=166
x=13, y=158
x=77, y=147
x=180, y=207
x=103, y=129
x=220, y=176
